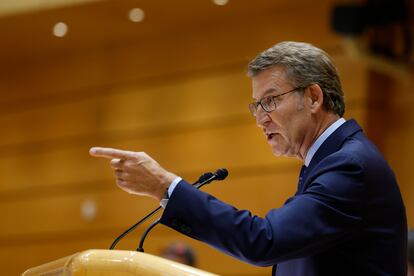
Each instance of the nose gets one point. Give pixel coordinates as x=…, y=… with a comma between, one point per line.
x=262, y=117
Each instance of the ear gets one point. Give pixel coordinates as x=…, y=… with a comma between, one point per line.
x=315, y=97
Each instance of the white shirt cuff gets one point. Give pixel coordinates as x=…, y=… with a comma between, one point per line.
x=173, y=184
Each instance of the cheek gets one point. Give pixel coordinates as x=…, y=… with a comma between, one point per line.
x=281, y=122
x=276, y=118
x=289, y=126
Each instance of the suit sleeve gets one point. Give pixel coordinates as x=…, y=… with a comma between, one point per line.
x=327, y=213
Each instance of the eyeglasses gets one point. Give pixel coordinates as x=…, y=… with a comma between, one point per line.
x=268, y=103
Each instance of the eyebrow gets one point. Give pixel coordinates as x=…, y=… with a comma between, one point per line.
x=266, y=93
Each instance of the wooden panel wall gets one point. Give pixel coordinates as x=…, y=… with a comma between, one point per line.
x=399, y=141
x=186, y=106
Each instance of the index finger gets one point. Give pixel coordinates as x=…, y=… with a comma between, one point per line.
x=111, y=153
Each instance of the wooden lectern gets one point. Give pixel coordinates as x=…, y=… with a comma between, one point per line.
x=114, y=263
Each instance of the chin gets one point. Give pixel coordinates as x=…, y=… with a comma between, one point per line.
x=277, y=152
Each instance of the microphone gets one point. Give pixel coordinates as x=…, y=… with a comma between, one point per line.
x=201, y=179
x=220, y=174
x=206, y=178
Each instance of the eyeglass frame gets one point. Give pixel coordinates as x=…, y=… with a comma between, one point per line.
x=272, y=97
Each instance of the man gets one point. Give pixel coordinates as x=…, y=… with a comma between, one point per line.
x=347, y=216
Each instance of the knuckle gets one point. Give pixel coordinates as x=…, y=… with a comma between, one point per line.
x=117, y=163
x=138, y=155
x=143, y=154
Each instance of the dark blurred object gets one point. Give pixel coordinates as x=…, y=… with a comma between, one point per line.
x=349, y=19
x=410, y=254
x=181, y=253
x=385, y=22
x=383, y=12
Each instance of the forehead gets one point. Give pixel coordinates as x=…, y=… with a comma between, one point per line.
x=272, y=80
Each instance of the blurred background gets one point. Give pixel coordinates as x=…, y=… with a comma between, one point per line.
x=168, y=78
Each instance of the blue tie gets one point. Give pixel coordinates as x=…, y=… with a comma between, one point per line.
x=301, y=178
x=290, y=267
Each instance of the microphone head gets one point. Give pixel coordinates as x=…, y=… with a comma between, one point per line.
x=221, y=173
x=205, y=177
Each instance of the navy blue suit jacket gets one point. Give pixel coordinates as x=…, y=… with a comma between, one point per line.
x=346, y=218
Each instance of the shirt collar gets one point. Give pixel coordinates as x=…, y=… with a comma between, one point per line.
x=315, y=146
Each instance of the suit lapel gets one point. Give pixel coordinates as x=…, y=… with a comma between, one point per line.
x=330, y=145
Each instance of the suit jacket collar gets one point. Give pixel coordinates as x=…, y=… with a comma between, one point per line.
x=332, y=143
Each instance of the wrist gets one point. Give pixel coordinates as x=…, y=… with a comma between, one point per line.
x=165, y=183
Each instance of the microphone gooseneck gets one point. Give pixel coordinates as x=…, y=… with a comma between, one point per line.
x=130, y=229
x=204, y=179
x=140, y=247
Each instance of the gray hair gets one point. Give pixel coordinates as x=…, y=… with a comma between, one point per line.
x=305, y=64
